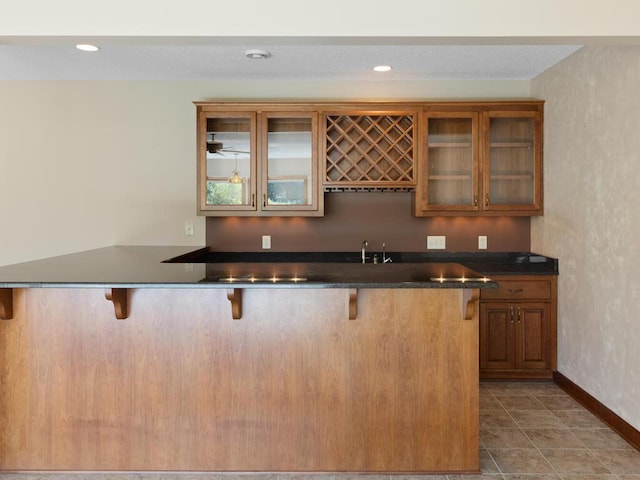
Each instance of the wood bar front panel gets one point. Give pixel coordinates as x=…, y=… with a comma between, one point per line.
x=292, y=386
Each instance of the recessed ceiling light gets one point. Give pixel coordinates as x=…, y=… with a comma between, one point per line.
x=255, y=54
x=382, y=68
x=85, y=47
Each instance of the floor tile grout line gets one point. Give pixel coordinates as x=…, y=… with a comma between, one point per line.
x=534, y=445
x=567, y=427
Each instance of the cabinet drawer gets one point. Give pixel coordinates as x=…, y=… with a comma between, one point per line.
x=519, y=290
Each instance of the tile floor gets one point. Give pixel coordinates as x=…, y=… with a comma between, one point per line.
x=528, y=431
x=536, y=431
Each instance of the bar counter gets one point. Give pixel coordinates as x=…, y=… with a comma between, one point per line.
x=248, y=366
x=147, y=267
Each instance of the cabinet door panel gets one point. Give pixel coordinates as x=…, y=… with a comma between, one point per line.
x=227, y=161
x=449, y=174
x=289, y=155
x=496, y=336
x=512, y=162
x=533, y=330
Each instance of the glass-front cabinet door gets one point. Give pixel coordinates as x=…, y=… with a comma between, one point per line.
x=512, y=165
x=227, y=167
x=289, y=161
x=449, y=174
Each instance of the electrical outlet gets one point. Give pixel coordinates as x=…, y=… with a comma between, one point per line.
x=482, y=242
x=436, y=242
x=188, y=228
x=266, y=242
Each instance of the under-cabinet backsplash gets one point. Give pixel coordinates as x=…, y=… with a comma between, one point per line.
x=351, y=218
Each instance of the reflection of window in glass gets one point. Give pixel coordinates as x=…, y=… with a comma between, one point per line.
x=221, y=192
x=287, y=191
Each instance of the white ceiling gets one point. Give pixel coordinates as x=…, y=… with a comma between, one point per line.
x=154, y=61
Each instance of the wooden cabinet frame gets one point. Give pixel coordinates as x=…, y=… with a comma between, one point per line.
x=518, y=328
x=257, y=183
x=378, y=161
x=481, y=115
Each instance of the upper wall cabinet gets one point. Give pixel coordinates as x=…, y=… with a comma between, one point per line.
x=369, y=149
x=481, y=159
x=460, y=158
x=257, y=162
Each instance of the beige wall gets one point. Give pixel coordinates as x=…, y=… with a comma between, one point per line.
x=591, y=222
x=89, y=164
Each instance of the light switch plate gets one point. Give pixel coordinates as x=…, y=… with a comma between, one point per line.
x=436, y=242
x=266, y=242
x=482, y=242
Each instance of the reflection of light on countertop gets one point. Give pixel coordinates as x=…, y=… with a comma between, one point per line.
x=461, y=279
x=254, y=279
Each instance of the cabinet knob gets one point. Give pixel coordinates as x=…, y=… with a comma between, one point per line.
x=253, y=199
x=475, y=200
x=486, y=200
x=264, y=200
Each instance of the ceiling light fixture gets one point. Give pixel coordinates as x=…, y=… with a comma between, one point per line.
x=236, y=177
x=86, y=47
x=255, y=54
x=382, y=68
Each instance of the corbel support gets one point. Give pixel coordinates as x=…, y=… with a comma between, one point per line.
x=235, y=297
x=6, y=303
x=353, y=303
x=470, y=302
x=119, y=297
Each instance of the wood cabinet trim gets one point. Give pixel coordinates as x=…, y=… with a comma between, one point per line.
x=6, y=303
x=120, y=299
x=234, y=295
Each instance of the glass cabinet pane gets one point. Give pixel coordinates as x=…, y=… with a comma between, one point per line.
x=289, y=176
x=511, y=161
x=228, y=160
x=450, y=167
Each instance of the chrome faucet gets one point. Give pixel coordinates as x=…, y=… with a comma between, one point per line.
x=385, y=259
x=365, y=244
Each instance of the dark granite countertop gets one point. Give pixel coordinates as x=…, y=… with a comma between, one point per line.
x=500, y=263
x=189, y=267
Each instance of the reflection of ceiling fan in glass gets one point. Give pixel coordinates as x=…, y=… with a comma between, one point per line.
x=215, y=146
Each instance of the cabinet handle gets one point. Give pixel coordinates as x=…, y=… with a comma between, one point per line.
x=511, y=314
x=253, y=199
x=475, y=200
x=513, y=291
x=264, y=200
x=486, y=200
x=518, y=315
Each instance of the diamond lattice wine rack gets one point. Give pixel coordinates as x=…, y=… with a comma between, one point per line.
x=369, y=151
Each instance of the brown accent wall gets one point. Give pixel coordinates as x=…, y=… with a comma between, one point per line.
x=376, y=217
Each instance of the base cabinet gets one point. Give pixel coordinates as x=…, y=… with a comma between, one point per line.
x=518, y=328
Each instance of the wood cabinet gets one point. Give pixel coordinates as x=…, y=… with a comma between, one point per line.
x=460, y=158
x=481, y=159
x=258, y=162
x=518, y=328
